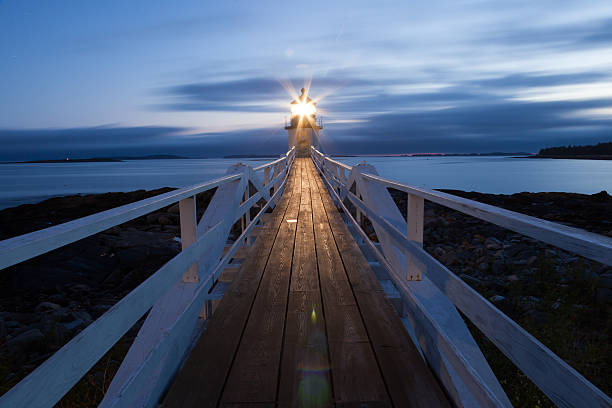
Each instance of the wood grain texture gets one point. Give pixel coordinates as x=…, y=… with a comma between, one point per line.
x=201, y=380
x=304, y=377
x=408, y=379
x=349, y=346
x=254, y=373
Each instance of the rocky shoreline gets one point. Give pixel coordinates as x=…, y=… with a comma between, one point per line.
x=563, y=299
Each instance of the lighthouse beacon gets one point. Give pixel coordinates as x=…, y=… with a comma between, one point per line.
x=303, y=126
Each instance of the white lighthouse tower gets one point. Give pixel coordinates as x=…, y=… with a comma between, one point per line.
x=303, y=126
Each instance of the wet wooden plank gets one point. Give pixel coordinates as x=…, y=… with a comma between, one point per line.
x=254, y=374
x=355, y=373
x=407, y=377
x=304, y=376
x=201, y=380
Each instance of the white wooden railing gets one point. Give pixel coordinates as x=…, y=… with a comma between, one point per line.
x=175, y=294
x=431, y=293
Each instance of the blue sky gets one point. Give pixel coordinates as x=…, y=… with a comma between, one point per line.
x=84, y=78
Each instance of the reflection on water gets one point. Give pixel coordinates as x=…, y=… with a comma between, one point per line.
x=29, y=183
x=499, y=175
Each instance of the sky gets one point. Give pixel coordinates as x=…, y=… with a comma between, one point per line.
x=207, y=79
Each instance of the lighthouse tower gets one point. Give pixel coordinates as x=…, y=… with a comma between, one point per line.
x=303, y=126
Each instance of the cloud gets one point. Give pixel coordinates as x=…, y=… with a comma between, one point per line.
x=590, y=33
x=245, y=95
x=108, y=141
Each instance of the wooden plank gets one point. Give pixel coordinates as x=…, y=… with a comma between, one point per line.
x=563, y=384
x=187, y=212
x=408, y=379
x=254, y=374
x=355, y=373
x=435, y=311
x=304, y=377
x=60, y=372
x=200, y=381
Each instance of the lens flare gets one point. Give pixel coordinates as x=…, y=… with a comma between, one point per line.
x=313, y=315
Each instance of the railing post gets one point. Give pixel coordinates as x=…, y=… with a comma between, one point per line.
x=246, y=219
x=266, y=176
x=415, y=207
x=187, y=211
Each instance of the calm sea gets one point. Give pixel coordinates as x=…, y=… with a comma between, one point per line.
x=30, y=183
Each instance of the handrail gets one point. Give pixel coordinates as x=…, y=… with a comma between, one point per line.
x=46, y=385
x=559, y=381
x=18, y=249
x=593, y=246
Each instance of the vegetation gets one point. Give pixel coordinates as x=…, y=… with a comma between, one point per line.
x=600, y=149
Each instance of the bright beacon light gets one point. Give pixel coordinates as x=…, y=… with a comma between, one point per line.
x=303, y=109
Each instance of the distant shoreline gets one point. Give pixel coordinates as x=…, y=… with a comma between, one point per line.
x=491, y=154
x=585, y=157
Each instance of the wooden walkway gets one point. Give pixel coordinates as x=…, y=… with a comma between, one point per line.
x=305, y=323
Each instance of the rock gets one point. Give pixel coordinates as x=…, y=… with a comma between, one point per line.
x=152, y=219
x=12, y=324
x=73, y=324
x=82, y=315
x=603, y=296
x=497, y=268
x=483, y=267
x=532, y=260
x=164, y=220
x=47, y=306
x=3, y=331
x=174, y=209
x=605, y=281
x=470, y=279
x=438, y=252
x=493, y=244
x=26, y=339
x=80, y=288
x=540, y=318
x=501, y=303
x=449, y=258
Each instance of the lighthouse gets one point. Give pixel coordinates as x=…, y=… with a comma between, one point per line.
x=303, y=126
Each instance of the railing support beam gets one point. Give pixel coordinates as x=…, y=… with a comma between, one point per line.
x=187, y=211
x=414, y=232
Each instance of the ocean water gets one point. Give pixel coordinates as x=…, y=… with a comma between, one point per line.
x=31, y=183
x=495, y=174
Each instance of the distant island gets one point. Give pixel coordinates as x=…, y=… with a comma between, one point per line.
x=600, y=151
x=438, y=154
x=106, y=159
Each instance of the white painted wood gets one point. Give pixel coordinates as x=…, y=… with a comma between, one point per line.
x=187, y=212
x=220, y=211
x=21, y=248
x=415, y=212
x=60, y=372
x=52, y=379
x=593, y=246
x=558, y=380
x=169, y=310
x=435, y=314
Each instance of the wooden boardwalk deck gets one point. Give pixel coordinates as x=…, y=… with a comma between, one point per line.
x=305, y=323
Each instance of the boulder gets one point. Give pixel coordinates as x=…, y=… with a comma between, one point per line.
x=470, y=279
x=47, y=307
x=29, y=338
x=493, y=244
